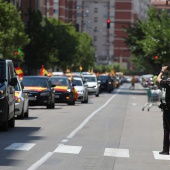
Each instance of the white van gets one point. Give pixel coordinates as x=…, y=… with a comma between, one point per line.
x=8, y=81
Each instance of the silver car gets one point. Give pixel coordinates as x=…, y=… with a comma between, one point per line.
x=21, y=101
x=93, y=84
x=81, y=89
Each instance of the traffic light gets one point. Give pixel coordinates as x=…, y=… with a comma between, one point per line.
x=108, y=23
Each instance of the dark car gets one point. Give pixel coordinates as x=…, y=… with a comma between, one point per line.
x=107, y=83
x=40, y=91
x=64, y=91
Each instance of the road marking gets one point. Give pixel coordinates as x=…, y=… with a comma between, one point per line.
x=160, y=157
x=113, y=152
x=71, y=135
x=68, y=149
x=20, y=146
x=41, y=161
x=64, y=140
x=134, y=104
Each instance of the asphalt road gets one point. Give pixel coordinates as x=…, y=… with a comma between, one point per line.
x=111, y=132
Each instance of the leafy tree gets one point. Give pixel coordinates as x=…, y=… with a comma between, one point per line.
x=85, y=52
x=150, y=38
x=12, y=31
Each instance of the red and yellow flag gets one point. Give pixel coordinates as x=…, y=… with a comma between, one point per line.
x=43, y=71
x=19, y=72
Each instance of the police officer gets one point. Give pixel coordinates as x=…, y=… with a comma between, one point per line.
x=165, y=83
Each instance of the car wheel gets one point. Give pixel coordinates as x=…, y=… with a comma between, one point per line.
x=5, y=125
x=27, y=113
x=86, y=100
x=12, y=122
x=22, y=114
x=97, y=95
x=71, y=102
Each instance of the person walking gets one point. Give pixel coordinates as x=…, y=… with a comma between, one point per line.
x=132, y=83
x=165, y=83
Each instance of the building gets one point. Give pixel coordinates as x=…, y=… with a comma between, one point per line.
x=91, y=16
x=126, y=14
x=161, y=4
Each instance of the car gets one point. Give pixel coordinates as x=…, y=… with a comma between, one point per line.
x=8, y=81
x=64, y=91
x=21, y=101
x=81, y=88
x=93, y=86
x=107, y=83
x=40, y=91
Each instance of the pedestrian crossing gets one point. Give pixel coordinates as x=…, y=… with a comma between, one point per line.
x=69, y=149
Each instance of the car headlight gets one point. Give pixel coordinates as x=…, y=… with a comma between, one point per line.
x=18, y=100
x=1, y=93
x=69, y=90
x=80, y=92
x=47, y=93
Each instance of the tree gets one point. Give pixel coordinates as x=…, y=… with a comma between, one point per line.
x=150, y=38
x=12, y=31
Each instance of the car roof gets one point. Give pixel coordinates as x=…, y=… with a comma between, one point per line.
x=65, y=77
x=89, y=75
x=77, y=78
x=43, y=77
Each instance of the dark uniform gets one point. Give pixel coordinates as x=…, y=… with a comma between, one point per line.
x=166, y=116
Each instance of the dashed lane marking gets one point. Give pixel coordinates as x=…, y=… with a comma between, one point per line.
x=20, y=146
x=68, y=149
x=113, y=152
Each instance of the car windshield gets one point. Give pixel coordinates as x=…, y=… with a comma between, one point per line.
x=77, y=82
x=103, y=77
x=59, y=81
x=90, y=79
x=17, y=87
x=34, y=82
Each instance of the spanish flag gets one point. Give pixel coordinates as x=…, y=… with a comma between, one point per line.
x=19, y=72
x=43, y=71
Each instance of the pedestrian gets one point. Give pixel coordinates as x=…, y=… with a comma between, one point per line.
x=165, y=83
x=132, y=83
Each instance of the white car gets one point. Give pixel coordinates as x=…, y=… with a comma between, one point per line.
x=81, y=89
x=93, y=84
x=21, y=101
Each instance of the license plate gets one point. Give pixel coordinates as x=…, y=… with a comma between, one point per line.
x=57, y=96
x=32, y=98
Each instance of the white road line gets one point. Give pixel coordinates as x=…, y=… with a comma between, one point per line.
x=68, y=149
x=160, y=157
x=71, y=135
x=20, y=146
x=114, y=152
x=41, y=161
x=49, y=154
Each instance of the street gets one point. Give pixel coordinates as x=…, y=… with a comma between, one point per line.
x=111, y=132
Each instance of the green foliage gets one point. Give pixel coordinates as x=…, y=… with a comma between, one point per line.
x=12, y=31
x=56, y=43
x=148, y=39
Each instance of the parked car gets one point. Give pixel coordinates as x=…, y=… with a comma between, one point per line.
x=107, y=83
x=41, y=91
x=64, y=91
x=93, y=85
x=8, y=81
x=81, y=89
x=21, y=101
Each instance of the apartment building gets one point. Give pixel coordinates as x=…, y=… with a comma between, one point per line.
x=91, y=17
x=161, y=4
